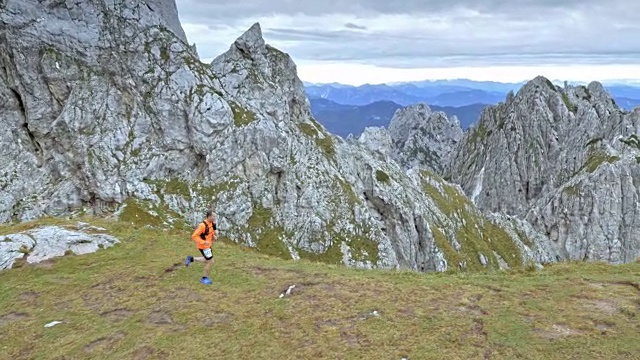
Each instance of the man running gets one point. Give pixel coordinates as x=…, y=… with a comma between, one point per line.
x=204, y=235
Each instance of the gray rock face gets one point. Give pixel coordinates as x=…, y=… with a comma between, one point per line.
x=45, y=243
x=424, y=138
x=594, y=216
x=252, y=71
x=564, y=159
x=377, y=140
x=124, y=119
x=97, y=97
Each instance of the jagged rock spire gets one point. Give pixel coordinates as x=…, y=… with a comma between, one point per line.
x=557, y=157
x=251, y=41
x=251, y=69
x=423, y=138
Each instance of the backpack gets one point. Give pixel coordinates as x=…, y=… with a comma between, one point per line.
x=203, y=236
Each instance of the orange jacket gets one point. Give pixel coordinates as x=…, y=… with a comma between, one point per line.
x=211, y=236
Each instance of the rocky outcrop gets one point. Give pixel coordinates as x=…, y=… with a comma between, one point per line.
x=595, y=215
x=563, y=159
x=124, y=119
x=262, y=76
x=376, y=140
x=424, y=138
x=48, y=242
x=344, y=202
x=98, y=97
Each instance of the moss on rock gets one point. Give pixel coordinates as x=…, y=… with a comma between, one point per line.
x=478, y=134
x=572, y=190
x=189, y=190
x=308, y=129
x=596, y=159
x=572, y=107
x=382, y=176
x=362, y=247
x=475, y=234
x=594, y=141
x=269, y=239
x=314, y=131
x=136, y=214
x=241, y=116
x=333, y=255
x=347, y=189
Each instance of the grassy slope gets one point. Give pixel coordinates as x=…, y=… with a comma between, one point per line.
x=122, y=300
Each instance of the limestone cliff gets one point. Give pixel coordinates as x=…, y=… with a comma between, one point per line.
x=424, y=138
x=109, y=111
x=562, y=158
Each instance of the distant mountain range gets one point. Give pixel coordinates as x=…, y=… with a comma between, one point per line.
x=405, y=94
x=627, y=103
x=345, y=109
x=352, y=119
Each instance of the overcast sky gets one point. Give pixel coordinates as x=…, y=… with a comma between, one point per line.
x=374, y=41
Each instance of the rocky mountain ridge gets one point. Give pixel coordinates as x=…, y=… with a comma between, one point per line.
x=343, y=120
x=564, y=159
x=125, y=121
x=422, y=136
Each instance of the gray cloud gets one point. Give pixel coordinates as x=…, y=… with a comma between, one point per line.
x=225, y=9
x=354, y=26
x=426, y=33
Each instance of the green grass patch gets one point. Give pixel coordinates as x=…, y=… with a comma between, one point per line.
x=333, y=254
x=268, y=238
x=189, y=190
x=571, y=106
x=596, y=159
x=453, y=257
x=479, y=134
x=134, y=212
x=314, y=131
x=137, y=300
x=144, y=213
x=475, y=234
x=308, y=130
x=361, y=246
x=382, y=176
x=362, y=249
x=327, y=146
x=164, y=53
x=347, y=189
x=241, y=116
x=572, y=190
